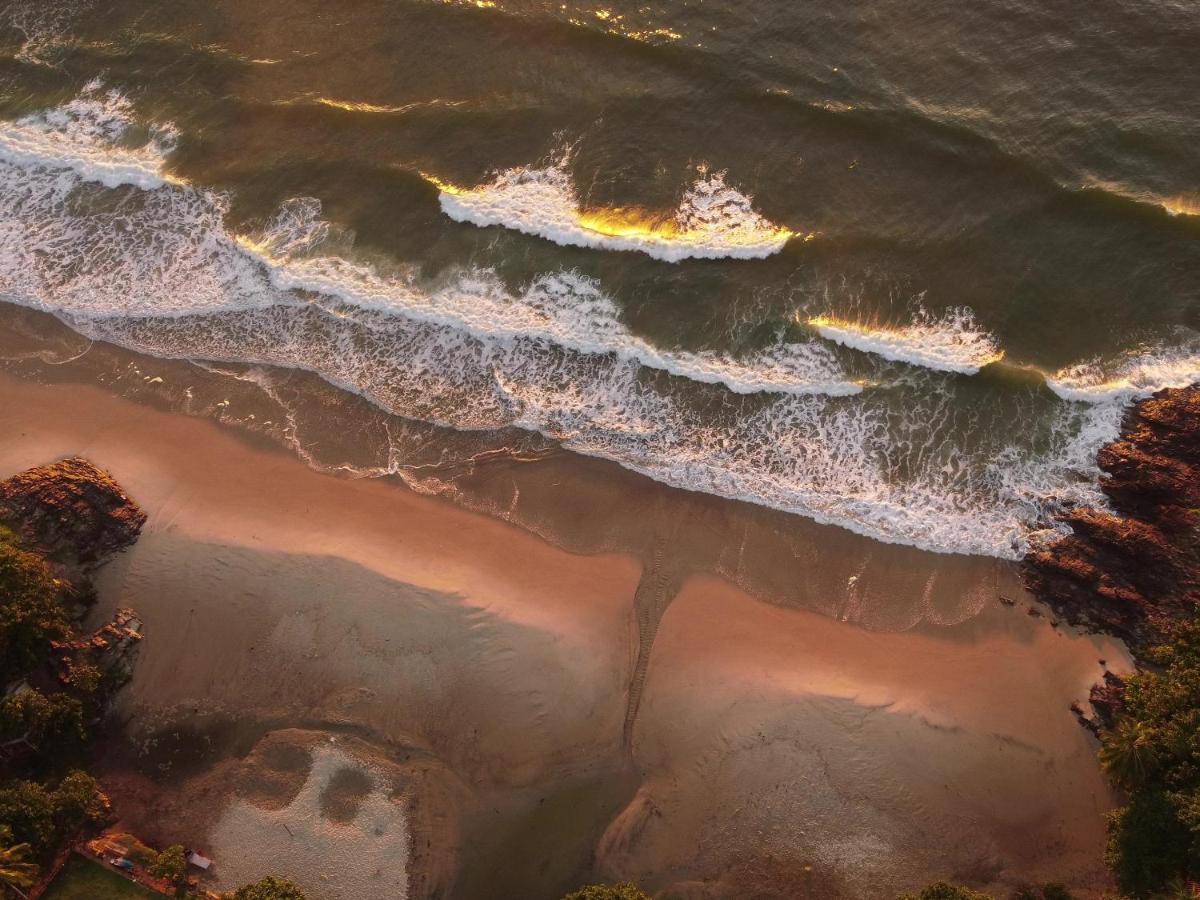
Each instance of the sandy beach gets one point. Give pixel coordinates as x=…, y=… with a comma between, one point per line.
x=302, y=625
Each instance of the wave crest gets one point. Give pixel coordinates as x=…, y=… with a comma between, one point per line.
x=90, y=135
x=712, y=221
x=951, y=342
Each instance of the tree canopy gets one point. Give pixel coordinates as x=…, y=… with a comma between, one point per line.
x=31, y=610
x=42, y=817
x=170, y=865
x=1153, y=752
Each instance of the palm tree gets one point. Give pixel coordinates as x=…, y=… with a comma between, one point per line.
x=1127, y=755
x=15, y=869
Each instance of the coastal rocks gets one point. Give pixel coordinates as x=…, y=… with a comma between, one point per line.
x=72, y=510
x=1133, y=572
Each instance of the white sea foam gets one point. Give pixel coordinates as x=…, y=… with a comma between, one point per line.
x=157, y=270
x=566, y=309
x=952, y=342
x=44, y=23
x=1130, y=376
x=86, y=135
x=713, y=220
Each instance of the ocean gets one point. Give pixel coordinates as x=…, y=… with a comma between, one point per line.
x=895, y=268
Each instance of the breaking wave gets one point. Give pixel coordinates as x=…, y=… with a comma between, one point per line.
x=87, y=136
x=712, y=221
x=92, y=230
x=952, y=342
x=1130, y=376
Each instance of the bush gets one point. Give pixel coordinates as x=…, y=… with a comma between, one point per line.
x=1046, y=892
x=269, y=888
x=170, y=865
x=942, y=890
x=624, y=891
x=31, y=612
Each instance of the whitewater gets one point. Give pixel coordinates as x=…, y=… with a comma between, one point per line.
x=712, y=221
x=786, y=427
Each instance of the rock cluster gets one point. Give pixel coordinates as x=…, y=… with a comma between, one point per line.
x=1133, y=571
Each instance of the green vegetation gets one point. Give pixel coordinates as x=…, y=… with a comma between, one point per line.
x=942, y=890
x=42, y=720
x=170, y=865
x=625, y=891
x=269, y=888
x=31, y=610
x=16, y=867
x=44, y=817
x=83, y=879
x=1153, y=752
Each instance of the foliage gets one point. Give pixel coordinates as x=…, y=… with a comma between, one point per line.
x=1147, y=844
x=1153, y=752
x=57, y=719
x=942, y=890
x=16, y=867
x=625, y=891
x=45, y=818
x=31, y=612
x=269, y=888
x=1045, y=892
x=170, y=865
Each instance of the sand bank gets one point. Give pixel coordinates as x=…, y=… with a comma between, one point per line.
x=776, y=752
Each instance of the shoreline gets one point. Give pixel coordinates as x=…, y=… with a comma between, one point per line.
x=492, y=669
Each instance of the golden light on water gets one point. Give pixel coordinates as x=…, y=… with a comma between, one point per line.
x=350, y=106
x=444, y=186
x=1183, y=205
x=627, y=222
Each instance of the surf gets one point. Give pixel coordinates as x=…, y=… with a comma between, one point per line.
x=712, y=221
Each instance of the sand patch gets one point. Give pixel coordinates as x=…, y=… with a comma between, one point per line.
x=360, y=850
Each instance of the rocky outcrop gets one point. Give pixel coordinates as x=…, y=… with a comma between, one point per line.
x=71, y=510
x=1133, y=571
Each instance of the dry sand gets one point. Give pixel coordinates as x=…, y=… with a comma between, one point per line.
x=776, y=752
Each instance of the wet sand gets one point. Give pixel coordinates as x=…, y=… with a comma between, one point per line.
x=771, y=750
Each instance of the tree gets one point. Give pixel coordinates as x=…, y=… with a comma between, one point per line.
x=624, y=891
x=1153, y=752
x=170, y=865
x=31, y=612
x=1147, y=845
x=27, y=813
x=44, y=818
x=269, y=888
x=1127, y=756
x=79, y=801
x=57, y=719
x=943, y=890
x=16, y=869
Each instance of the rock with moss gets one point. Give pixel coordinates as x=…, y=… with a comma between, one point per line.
x=71, y=510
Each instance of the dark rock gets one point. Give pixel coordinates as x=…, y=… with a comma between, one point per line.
x=1108, y=699
x=72, y=511
x=1133, y=572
